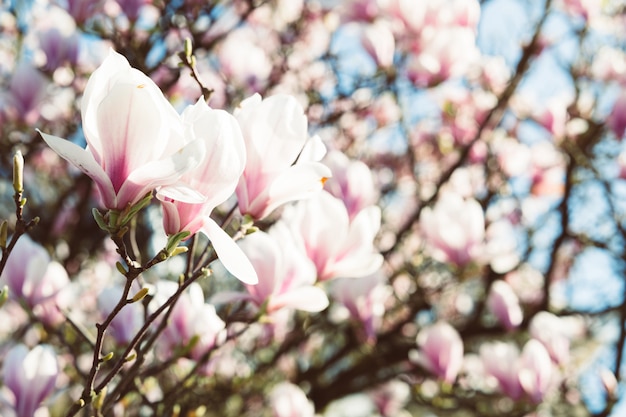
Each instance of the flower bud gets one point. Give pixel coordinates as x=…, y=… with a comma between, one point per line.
x=18, y=172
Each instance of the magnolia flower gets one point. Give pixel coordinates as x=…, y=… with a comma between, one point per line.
x=454, y=229
x=365, y=300
x=530, y=374
x=190, y=318
x=127, y=322
x=133, y=136
x=351, y=182
x=288, y=400
x=555, y=333
x=337, y=246
x=216, y=177
x=275, y=133
x=504, y=304
x=286, y=276
x=378, y=41
x=535, y=373
x=441, y=351
x=30, y=375
x=35, y=279
x=500, y=360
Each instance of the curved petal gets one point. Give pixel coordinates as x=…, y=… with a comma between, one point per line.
x=164, y=172
x=231, y=255
x=84, y=161
x=296, y=183
x=311, y=299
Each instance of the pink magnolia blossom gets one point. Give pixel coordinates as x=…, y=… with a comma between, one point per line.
x=288, y=400
x=31, y=376
x=243, y=60
x=441, y=351
x=128, y=321
x=286, y=276
x=500, y=360
x=191, y=317
x=454, y=229
x=26, y=94
x=536, y=370
x=352, y=182
x=275, y=133
x=133, y=136
x=365, y=300
x=617, y=119
x=35, y=279
x=530, y=373
x=555, y=333
x=504, y=304
x=337, y=246
x=216, y=177
x=378, y=41
x=391, y=397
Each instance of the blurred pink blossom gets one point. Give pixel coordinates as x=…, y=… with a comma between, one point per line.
x=500, y=360
x=275, y=133
x=365, y=300
x=536, y=370
x=128, y=321
x=351, y=181
x=556, y=333
x=617, y=118
x=454, y=229
x=288, y=400
x=133, y=136
x=26, y=93
x=378, y=41
x=504, y=304
x=391, y=397
x=35, y=279
x=337, y=246
x=31, y=376
x=441, y=351
x=286, y=276
x=191, y=317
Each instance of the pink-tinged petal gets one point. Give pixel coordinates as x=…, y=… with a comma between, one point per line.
x=296, y=183
x=84, y=161
x=183, y=193
x=229, y=297
x=275, y=130
x=267, y=258
x=231, y=255
x=311, y=299
x=96, y=89
x=162, y=172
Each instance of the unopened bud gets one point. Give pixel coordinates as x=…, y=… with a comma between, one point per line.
x=140, y=295
x=18, y=172
x=107, y=357
x=4, y=295
x=4, y=226
x=98, y=400
x=188, y=48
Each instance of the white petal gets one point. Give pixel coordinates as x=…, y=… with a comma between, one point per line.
x=231, y=255
x=311, y=299
x=296, y=183
x=84, y=161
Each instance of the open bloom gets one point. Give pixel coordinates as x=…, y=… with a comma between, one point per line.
x=191, y=318
x=454, y=229
x=133, y=136
x=337, y=246
x=286, y=276
x=504, y=304
x=30, y=375
x=215, y=177
x=275, y=133
x=36, y=280
x=441, y=351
